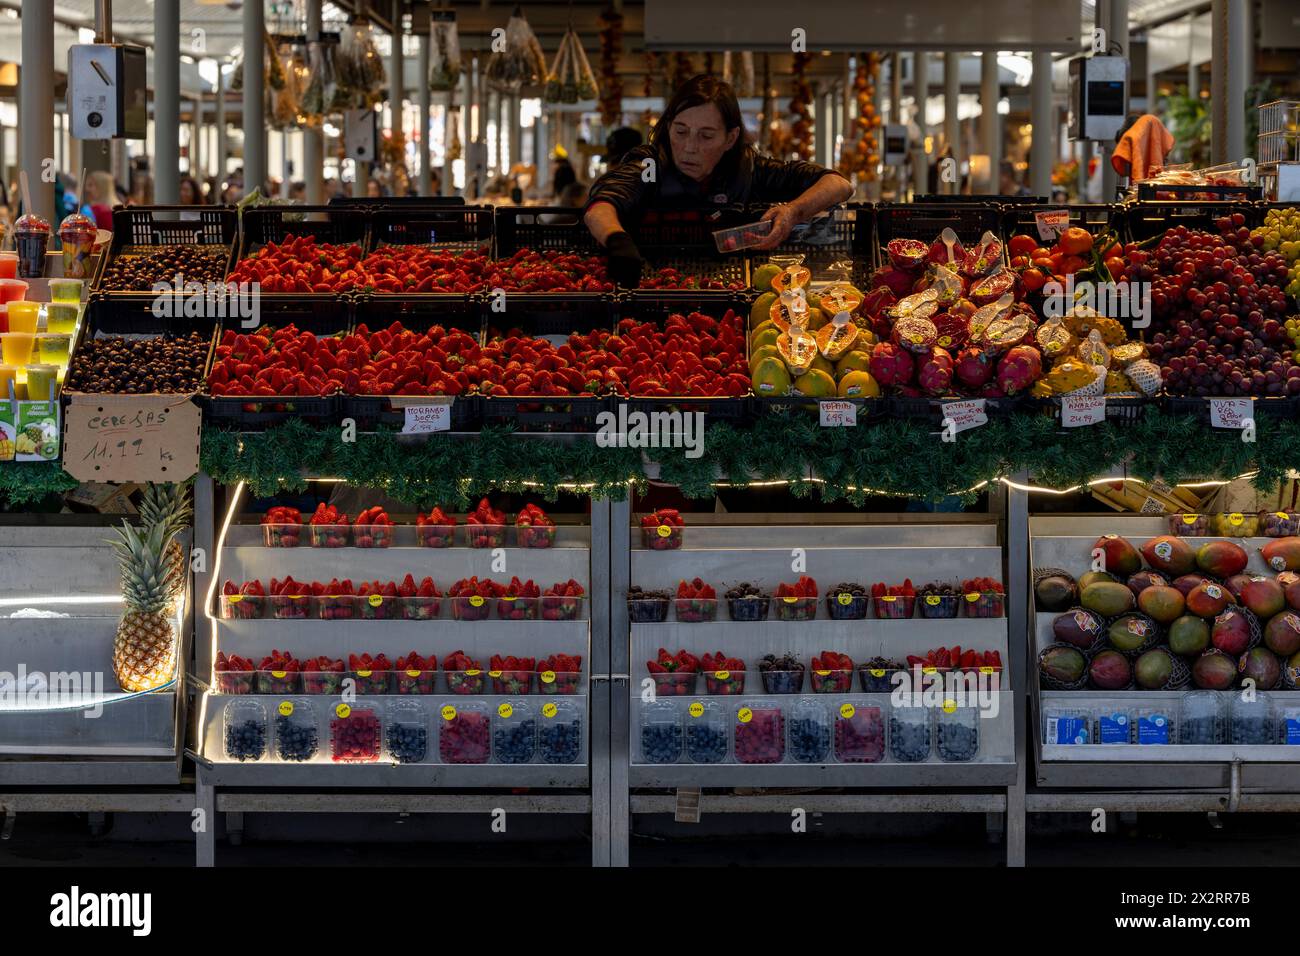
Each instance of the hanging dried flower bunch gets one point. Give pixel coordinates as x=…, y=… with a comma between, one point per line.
x=801, y=107
x=862, y=158
x=611, y=48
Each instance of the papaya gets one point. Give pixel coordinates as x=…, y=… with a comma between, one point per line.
x=764, y=275
x=770, y=377
x=815, y=384
x=762, y=310
x=856, y=384
x=764, y=336
x=858, y=360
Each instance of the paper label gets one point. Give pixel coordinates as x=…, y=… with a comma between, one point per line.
x=549, y=710
x=423, y=419
x=722, y=675
x=1230, y=412
x=950, y=706
x=375, y=600
x=234, y=598
x=476, y=601
x=1191, y=519
x=664, y=531
x=838, y=414
x=789, y=600
x=847, y=711
x=412, y=672
x=279, y=675
x=473, y=672
x=889, y=598
x=1236, y=518
x=744, y=715
x=1067, y=730
x=932, y=600
x=1291, y=723
x=1113, y=729
x=494, y=673
x=364, y=673
x=1051, y=223
x=134, y=438
x=1153, y=730
x=844, y=598
x=505, y=710
x=964, y=415
x=877, y=672
x=1078, y=410
x=285, y=708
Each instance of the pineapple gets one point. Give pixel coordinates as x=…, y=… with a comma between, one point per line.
x=144, y=649
x=167, y=505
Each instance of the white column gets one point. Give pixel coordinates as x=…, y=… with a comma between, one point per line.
x=254, y=108
x=167, y=102
x=1116, y=35
x=1040, y=115
x=223, y=148
x=990, y=121
x=951, y=122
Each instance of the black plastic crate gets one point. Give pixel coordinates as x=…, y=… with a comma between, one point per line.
x=1235, y=192
x=1119, y=411
x=529, y=413
x=869, y=410
x=551, y=315
x=338, y=225
x=1145, y=220
x=682, y=239
x=931, y=409
x=542, y=228
x=845, y=233
x=1097, y=218
x=996, y=199
x=447, y=226
x=138, y=230
x=418, y=313
x=924, y=222
x=1199, y=408
x=134, y=317
x=320, y=315
x=372, y=411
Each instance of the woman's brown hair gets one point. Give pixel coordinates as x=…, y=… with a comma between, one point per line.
x=701, y=90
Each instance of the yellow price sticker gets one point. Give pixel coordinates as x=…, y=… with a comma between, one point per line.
x=847, y=711
x=822, y=673
x=845, y=599
x=473, y=672
x=476, y=601
x=973, y=596
x=696, y=709
x=1236, y=518
x=665, y=531
x=505, y=710
x=722, y=675
x=789, y=600
x=285, y=708
x=364, y=673
x=949, y=706
x=877, y=672
x=988, y=670
x=449, y=712
x=494, y=673
x=929, y=670
x=889, y=597
x=932, y=600
x=509, y=597
x=412, y=672
x=279, y=675
x=234, y=598
x=549, y=710
x=1191, y=519
x=375, y=600
x=744, y=715
x=343, y=711
x=548, y=677
x=1282, y=515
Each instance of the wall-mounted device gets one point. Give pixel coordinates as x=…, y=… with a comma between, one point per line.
x=361, y=135
x=1098, y=96
x=107, y=92
x=894, y=152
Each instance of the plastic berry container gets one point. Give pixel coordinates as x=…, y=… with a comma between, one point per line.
x=379, y=607
x=243, y=607
x=420, y=608
x=876, y=680
x=750, y=608
x=436, y=535
x=329, y=535
x=909, y=734
x=1067, y=726
x=809, y=730
x=675, y=683
x=647, y=610
x=511, y=682
x=290, y=607
x=1113, y=725
x=662, y=537
x=859, y=733
x=938, y=606
x=661, y=732
x=1157, y=725
x=236, y=682
x=558, y=683
x=1187, y=525
x=984, y=604
x=535, y=536
x=336, y=607
x=846, y=606
x=562, y=608
x=695, y=610
x=471, y=607
x=760, y=732
x=406, y=732
x=957, y=734
x=782, y=681
x=831, y=681
x=372, y=535
x=724, y=683
x=464, y=732
x=1279, y=524
x=245, y=729
x=413, y=682
x=796, y=609
x=1252, y=722
x=356, y=733
x=559, y=732
x=893, y=607
x=277, y=682
x=518, y=608
x=485, y=535
x=1203, y=718
x=281, y=535
x=466, y=683
x=706, y=732
x=514, y=732
x=322, y=682
x=370, y=682
x=297, y=739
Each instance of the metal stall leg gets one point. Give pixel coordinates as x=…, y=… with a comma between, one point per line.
x=204, y=821
x=600, y=692
x=1018, y=572
x=620, y=743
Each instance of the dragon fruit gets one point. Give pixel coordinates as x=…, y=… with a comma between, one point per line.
x=897, y=281
x=890, y=365
x=935, y=376
x=974, y=367
x=1019, y=368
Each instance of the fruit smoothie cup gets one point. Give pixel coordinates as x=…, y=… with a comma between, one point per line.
x=8, y=265
x=32, y=237
x=16, y=347
x=23, y=316
x=77, y=236
x=62, y=317
x=54, y=348
x=42, y=380
x=65, y=290
x=12, y=290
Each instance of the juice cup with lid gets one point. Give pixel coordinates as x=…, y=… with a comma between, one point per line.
x=13, y=290
x=62, y=317
x=16, y=347
x=77, y=236
x=54, y=348
x=32, y=236
x=23, y=316
x=65, y=290
x=8, y=265
x=42, y=382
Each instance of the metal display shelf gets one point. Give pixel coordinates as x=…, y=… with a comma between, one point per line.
x=1190, y=778
x=431, y=786
x=758, y=549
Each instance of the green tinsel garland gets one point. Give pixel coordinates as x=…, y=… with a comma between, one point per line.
x=23, y=483
x=896, y=457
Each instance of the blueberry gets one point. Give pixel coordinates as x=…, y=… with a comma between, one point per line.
x=560, y=740
x=810, y=739
x=407, y=743
x=661, y=742
x=1252, y=730
x=1199, y=730
x=246, y=740
x=705, y=744
x=957, y=740
x=294, y=740
x=909, y=740
x=515, y=741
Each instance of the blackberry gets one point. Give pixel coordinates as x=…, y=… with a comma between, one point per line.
x=294, y=740
x=515, y=741
x=559, y=741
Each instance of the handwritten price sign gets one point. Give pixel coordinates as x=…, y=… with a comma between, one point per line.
x=965, y=415
x=1077, y=410
x=131, y=437
x=1051, y=223
x=424, y=419
x=838, y=414
x=1230, y=412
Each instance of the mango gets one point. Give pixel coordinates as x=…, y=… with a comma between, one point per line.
x=1055, y=592
x=1077, y=627
x=1262, y=666
x=815, y=384
x=1282, y=554
x=1161, y=603
x=1110, y=670
x=1282, y=634
x=1107, y=598
x=1264, y=597
x=1092, y=577
x=1189, y=635
x=771, y=378
x=859, y=385
x=1223, y=559
x=1137, y=583
x=1120, y=557
x=1064, y=664
x=1129, y=632
x=1214, y=670
x=1169, y=554
x=1153, y=669
x=1208, y=599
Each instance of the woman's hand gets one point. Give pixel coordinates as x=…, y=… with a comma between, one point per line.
x=783, y=220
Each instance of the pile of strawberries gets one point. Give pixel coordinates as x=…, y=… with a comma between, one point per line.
x=242, y=601
x=415, y=674
x=282, y=527
x=436, y=529
x=322, y=675
x=697, y=602
x=464, y=674
x=661, y=530
x=559, y=673
x=956, y=659
x=234, y=674
x=471, y=598
x=674, y=674
x=278, y=673
x=301, y=264
x=831, y=673
x=893, y=601
x=723, y=674
x=534, y=528
x=372, y=529
x=328, y=527
x=798, y=601
x=694, y=355
x=518, y=601
x=562, y=601
x=670, y=278
x=289, y=599
x=510, y=674
x=972, y=585
x=370, y=673
x=486, y=526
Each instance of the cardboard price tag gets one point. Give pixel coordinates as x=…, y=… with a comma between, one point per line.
x=1077, y=410
x=838, y=414
x=965, y=415
x=425, y=419
x=1051, y=223
x=131, y=437
x=1230, y=412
